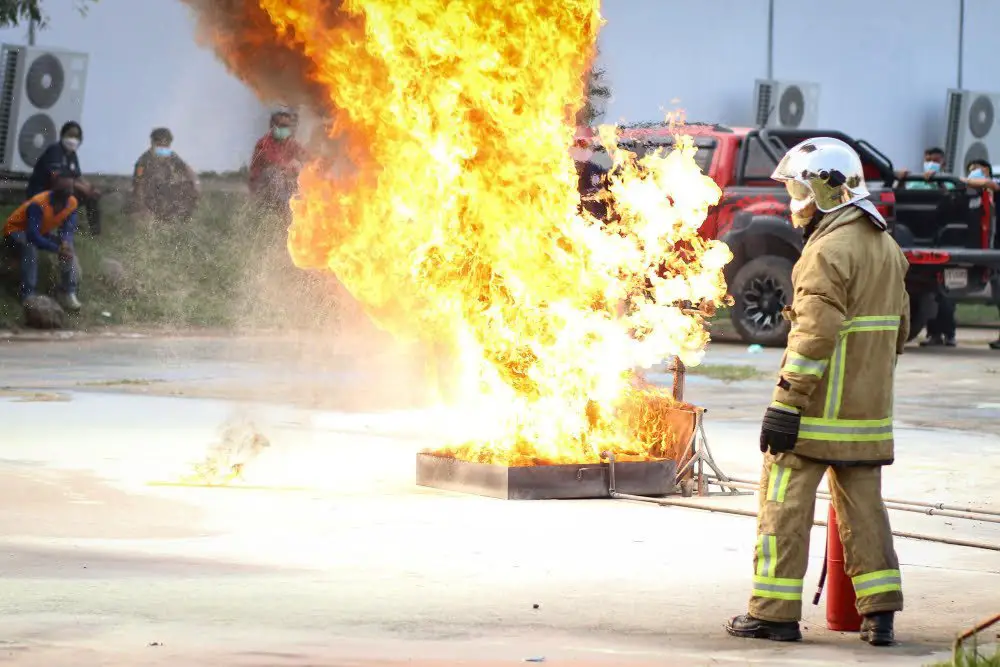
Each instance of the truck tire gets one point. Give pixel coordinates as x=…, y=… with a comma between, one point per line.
x=761, y=288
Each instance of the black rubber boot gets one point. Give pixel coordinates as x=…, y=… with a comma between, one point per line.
x=748, y=627
x=876, y=629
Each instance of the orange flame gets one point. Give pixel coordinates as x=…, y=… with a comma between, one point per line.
x=459, y=221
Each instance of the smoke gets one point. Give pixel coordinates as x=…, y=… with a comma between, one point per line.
x=243, y=37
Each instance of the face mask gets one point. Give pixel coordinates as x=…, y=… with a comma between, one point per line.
x=163, y=151
x=977, y=173
x=282, y=133
x=932, y=166
x=71, y=143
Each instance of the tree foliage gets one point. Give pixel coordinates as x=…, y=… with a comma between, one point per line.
x=598, y=94
x=17, y=12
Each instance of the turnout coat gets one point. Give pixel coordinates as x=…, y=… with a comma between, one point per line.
x=849, y=321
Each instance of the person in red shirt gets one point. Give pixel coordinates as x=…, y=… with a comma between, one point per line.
x=276, y=162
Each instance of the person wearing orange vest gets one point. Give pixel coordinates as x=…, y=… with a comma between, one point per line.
x=46, y=222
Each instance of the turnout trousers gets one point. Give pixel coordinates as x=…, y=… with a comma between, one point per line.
x=784, y=522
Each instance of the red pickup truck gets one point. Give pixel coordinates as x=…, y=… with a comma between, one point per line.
x=945, y=229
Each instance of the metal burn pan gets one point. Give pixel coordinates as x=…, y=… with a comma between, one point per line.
x=545, y=482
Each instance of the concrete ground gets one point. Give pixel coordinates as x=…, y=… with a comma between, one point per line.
x=102, y=566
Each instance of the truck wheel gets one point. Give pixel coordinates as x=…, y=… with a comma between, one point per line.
x=761, y=288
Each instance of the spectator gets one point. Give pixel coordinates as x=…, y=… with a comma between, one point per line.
x=591, y=171
x=942, y=329
x=933, y=164
x=61, y=158
x=276, y=162
x=46, y=222
x=980, y=175
x=163, y=185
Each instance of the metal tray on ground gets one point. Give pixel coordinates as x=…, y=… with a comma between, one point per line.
x=545, y=482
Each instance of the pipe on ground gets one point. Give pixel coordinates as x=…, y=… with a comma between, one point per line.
x=691, y=504
x=902, y=506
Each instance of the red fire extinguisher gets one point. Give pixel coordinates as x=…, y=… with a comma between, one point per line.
x=841, y=614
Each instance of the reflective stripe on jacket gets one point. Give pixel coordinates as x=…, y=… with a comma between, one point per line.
x=850, y=319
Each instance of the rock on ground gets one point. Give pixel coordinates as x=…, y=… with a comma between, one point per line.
x=42, y=312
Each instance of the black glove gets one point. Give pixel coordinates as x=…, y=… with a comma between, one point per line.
x=780, y=430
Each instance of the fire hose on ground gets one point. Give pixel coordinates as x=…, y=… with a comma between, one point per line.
x=930, y=509
x=691, y=504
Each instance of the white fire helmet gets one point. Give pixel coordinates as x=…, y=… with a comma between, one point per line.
x=828, y=172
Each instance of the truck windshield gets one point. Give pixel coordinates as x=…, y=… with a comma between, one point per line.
x=703, y=157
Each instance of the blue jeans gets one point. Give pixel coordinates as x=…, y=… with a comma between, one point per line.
x=69, y=270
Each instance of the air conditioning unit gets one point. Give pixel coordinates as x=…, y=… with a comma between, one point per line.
x=973, y=130
x=786, y=104
x=40, y=89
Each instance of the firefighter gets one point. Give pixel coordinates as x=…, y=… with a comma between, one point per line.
x=832, y=407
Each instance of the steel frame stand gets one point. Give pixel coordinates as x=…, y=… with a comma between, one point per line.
x=698, y=450
x=701, y=456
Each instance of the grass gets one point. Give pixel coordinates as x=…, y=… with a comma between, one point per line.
x=726, y=372
x=227, y=268
x=976, y=314
x=972, y=658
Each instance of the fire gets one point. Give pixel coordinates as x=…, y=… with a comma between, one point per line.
x=459, y=224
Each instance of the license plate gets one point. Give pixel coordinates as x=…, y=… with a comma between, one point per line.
x=956, y=278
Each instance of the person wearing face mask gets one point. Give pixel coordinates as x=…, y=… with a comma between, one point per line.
x=163, y=185
x=933, y=165
x=831, y=412
x=276, y=162
x=980, y=176
x=62, y=158
x=46, y=222
x=943, y=328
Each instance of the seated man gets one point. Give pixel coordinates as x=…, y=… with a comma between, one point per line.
x=276, y=162
x=163, y=185
x=62, y=158
x=46, y=222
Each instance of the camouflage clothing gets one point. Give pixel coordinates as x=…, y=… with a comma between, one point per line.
x=164, y=186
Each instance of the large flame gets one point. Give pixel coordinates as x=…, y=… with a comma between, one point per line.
x=459, y=219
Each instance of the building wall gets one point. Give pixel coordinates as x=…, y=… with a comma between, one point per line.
x=886, y=85
x=700, y=56
x=145, y=71
x=884, y=65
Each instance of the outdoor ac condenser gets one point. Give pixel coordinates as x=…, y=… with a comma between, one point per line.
x=973, y=130
x=786, y=104
x=40, y=89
